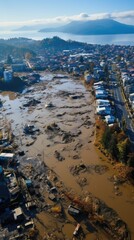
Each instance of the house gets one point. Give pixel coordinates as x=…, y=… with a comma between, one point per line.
x=101, y=94
x=8, y=75
x=98, y=83
x=6, y=158
x=109, y=119
x=99, y=87
x=73, y=210
x=103, y=111
x=102, y=101
x=18, y=214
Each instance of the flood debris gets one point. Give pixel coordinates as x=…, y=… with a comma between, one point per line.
x=58, y=156
x=49, y=105
x=31, y=102
x=80, y=168
x=77, y=169
x=82, y=181
x=77, y=229
x=36, y=190
x=73, y=210
x=30, y=129
x=100, y=215
x=53, y=130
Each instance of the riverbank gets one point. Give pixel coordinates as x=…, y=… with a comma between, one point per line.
x=66, y=140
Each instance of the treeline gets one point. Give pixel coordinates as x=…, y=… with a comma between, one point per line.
x=18, y=47
x=116, y=143
x=57, y=43
x=18, y=52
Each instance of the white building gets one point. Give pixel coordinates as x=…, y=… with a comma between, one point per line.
x=8, y=75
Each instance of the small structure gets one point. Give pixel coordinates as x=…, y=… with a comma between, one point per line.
x=30, y=205
x=103, y=111
x=52, y=197
x=28, y=183
x=76, y=231
x=109, y=119
x=73, y=210
x=30, y=129
x=8, y=75
x=6, y=158
x=29, y=224
x=49, y=105
x=18, y=214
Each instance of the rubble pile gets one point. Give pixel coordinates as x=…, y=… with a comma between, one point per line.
x=100, y=215
x=77, y=169
x=58, y=156
x=32, y=102
x=53, y=130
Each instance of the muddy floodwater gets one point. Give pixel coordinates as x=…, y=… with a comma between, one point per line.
x=64, y=113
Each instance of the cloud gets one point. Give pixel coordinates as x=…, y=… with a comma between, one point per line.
x=125, y=17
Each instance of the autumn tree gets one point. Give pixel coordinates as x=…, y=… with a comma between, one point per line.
x=113, y=147
x=123, y=148
x=106, y=137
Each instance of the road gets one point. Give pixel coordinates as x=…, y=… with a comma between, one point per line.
x=122, y=112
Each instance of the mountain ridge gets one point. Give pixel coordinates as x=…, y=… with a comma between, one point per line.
x=93, y=27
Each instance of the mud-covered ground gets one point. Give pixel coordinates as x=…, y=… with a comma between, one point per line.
x=62, y=111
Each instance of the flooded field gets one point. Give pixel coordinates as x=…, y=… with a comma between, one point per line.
x=63, y=111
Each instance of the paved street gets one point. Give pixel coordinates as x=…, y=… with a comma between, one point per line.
x=122, y=112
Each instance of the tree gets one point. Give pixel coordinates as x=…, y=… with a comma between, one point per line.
x=106, y=137
x=123, y=148
x=9, y=59
x=113, y=147
x=28, y=55
x=81, y=59
x=91, y=67
x=130, y=161
x=106, y=71
x=124, y=124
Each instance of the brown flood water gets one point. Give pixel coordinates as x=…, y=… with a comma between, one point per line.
x=74, y=115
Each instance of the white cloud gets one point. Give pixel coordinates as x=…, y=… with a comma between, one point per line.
x=125, y=17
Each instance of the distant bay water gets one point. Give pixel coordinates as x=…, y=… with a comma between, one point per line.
x=116, y=39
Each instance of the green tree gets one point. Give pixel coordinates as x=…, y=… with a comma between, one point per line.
x=106, y=71
x=106, y=137
x=9, y=59
x=81, y=59
x=123, y=124
x=113, y=147
x=123, y=148
x=91, y=67
x=130, y=161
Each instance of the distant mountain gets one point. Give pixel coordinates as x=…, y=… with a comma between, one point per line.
x=36, y=27
x=29, y=28
x=93, y=27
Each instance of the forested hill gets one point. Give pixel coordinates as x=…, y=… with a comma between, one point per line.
x=18, y=47
x=16, y=51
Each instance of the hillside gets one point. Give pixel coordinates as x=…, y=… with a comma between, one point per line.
x=15, y=51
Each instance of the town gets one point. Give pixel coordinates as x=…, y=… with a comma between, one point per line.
x=108, y=72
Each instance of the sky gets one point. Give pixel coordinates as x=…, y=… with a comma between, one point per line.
x=31, y=12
